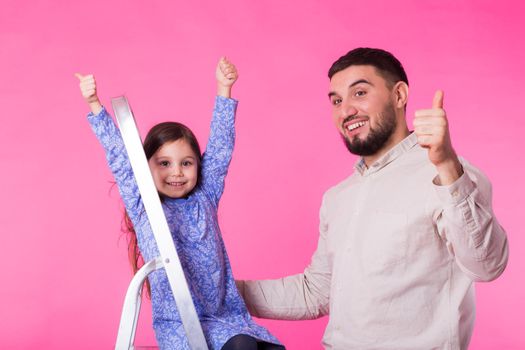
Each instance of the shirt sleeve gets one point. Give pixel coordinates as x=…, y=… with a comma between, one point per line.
x=111, y=140
x=467, y=222
x=218, y=154
x=297, y=297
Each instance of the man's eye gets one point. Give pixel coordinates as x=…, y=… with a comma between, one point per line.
x=336, y=101
x=360, y=93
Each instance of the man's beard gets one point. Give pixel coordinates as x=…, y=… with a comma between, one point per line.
x=377, y=137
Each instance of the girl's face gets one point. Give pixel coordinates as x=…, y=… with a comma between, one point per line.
x=174, y=169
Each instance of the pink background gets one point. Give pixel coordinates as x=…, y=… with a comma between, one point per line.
x=65, y=266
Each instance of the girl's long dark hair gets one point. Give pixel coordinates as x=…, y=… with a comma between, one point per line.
x=158, y=135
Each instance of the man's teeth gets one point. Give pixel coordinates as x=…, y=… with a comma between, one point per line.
x=355, y=125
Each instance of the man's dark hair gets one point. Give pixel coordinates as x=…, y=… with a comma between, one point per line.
x=386, y=64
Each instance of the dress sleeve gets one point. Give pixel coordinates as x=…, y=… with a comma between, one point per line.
x=298, y=297
x=469, y=226
x=109, y=136
x=218, y=154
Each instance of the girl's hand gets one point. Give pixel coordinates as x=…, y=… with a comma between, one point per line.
x=226, y=75
x=88, y=88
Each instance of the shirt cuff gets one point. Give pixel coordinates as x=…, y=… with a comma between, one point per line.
x=226, y=100
x=456, y=192
x=102, y=114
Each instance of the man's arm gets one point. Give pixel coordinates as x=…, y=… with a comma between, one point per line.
x=297, y=297
x=467, y=221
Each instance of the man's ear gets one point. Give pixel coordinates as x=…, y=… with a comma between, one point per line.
x=400, y=91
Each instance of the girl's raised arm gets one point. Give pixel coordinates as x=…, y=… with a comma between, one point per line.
x=109, y=137
x=219, y=149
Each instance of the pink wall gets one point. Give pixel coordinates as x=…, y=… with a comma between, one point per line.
x=64, y=259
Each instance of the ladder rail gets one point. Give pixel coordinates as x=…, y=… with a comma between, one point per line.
x=157, y=220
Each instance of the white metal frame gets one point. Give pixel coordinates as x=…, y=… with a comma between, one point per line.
x=132, y=302
x=169, y=259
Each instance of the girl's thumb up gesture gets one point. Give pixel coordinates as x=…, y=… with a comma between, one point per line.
x=88, y=88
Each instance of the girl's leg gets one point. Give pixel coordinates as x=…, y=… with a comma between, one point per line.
x=268, y=346
x=240, y=342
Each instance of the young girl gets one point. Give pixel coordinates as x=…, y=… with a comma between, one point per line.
x=190, y=186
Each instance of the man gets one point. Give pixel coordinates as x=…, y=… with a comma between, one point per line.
x=404, y=237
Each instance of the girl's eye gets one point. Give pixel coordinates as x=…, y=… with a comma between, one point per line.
x=164, y=163
x=187, y=163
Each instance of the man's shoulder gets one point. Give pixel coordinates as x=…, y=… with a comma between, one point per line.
x=340, y=187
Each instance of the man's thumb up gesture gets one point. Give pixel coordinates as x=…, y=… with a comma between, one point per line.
x=431, y=128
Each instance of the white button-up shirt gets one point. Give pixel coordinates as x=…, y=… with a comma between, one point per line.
x=396, y=259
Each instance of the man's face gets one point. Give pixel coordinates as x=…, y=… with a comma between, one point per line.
x=362, y=109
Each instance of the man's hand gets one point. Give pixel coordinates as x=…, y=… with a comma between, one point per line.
x=88, y=88
x=431, y=128
x=226, y=75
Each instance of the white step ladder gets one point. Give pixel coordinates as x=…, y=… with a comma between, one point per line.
x=131, y=309
x=169, y=259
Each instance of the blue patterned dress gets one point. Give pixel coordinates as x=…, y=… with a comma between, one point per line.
x=194, y=227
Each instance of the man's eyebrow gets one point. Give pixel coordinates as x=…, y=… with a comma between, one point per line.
x=360, y=81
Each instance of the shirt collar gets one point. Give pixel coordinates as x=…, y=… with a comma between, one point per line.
x=402, y=147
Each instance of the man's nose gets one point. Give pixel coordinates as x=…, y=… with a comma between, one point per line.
x=348, y=109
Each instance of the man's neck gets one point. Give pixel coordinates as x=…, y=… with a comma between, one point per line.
x=398, y=136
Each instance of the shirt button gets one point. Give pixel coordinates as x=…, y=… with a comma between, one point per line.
x=455, y=193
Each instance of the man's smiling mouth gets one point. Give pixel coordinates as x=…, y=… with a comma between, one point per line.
x=353, y=126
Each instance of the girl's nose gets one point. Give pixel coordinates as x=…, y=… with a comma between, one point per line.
x=177, y=171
